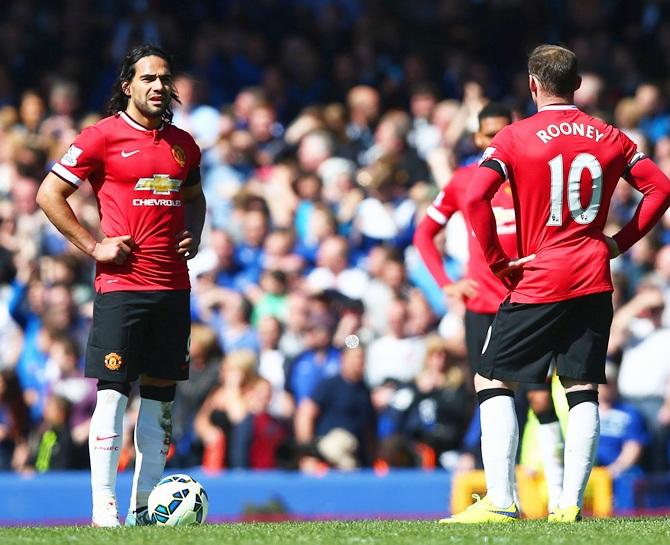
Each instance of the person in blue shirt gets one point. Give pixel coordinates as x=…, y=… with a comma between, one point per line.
x=340, y=404
x=321, y=360
x=623, y=438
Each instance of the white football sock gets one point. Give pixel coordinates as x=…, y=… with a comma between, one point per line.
x=105, y=439
x=500, y=438
x=581, y=439
x=153, y=432
x=551, y=450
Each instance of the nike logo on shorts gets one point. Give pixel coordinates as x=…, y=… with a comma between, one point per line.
x=125, y=154
x=104, y=437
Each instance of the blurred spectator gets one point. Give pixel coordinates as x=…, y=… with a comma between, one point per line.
x=205, y=356
x=395, y=355
x=54, y=449
x=63, y=105
x=225, y=407
x=363, y=103
x=295, y=324
x=199, y=119
x=644, y=377
x=435, y=408
x=389, y=281
x=257, y=439
x=338, y=416
x=623, y=436
x=267, y=133
x=272, y=366
x=655, y=121
x=320, y=360
x=333, y=271
x=14, y=422
x=423, y=137
x=66, y=380
x=229, y=314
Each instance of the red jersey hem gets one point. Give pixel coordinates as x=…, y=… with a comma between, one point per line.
x=108, y=289
x=514, y=297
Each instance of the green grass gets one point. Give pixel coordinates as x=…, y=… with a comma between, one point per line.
x=654, y=531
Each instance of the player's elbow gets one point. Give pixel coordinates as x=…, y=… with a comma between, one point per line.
x=42, y=199
x=474, y=202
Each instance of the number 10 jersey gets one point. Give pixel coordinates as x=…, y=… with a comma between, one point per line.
x=563, y=166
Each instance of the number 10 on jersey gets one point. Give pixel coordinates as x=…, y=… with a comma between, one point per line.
x=578, y=213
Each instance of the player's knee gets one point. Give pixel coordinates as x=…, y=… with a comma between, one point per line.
x=581, y=396
x=488, y=393
x=540, y=402
x=158, y=393
x=483, y=383
x=121, y=387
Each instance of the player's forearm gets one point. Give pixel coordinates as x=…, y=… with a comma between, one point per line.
x=425, y=244
x=305, y=417
x=483, y=187
x=484, y=226
x=629, y=455
x=194, y=215
x=655, y=186
x=54, y=204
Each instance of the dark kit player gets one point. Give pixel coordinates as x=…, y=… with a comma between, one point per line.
x=145, y=174
x=563, y=166
x=481, y=290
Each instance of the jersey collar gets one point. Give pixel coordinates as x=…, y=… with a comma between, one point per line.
x=554, y=107
x=135, y=125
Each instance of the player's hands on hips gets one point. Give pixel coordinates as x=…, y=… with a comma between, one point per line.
x=467, y=287
x=187, y=245
x=513, y=267
x=612, y=246
x=113, y=249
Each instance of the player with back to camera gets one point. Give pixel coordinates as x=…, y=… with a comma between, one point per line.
x=563, y=166
x=145, y=175
x=481, y=290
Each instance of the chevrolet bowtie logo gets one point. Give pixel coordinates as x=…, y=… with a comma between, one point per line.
x=160, y=184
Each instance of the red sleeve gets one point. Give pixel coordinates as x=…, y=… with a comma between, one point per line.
x=501, y=150
x=193, y=177
x=424, y=241
x=483, y=187
x=82, y=158
x=647, y=178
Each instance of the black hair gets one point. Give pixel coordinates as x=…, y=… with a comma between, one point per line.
x=495, y=109
x=118, y=102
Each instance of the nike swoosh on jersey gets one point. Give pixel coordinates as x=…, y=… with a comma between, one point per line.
x=104, y=437
x=125, y=154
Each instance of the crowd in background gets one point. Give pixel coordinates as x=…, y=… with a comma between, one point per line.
x=327, y=128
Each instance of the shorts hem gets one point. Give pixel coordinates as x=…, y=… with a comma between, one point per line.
x=493, y=375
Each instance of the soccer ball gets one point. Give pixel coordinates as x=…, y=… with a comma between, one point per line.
x=177, y=500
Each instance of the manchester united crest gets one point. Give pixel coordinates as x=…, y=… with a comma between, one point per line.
x=179, y=155
x=113, y=361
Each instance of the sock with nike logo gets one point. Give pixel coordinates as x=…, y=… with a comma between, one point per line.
x=104, y=444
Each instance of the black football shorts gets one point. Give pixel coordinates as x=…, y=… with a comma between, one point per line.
x=477, y=325
x=525, y=338
x=139, y=332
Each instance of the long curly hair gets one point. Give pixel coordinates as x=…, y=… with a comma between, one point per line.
x=119, y=100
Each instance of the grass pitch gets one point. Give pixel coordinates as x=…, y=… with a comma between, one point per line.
x=651, y=531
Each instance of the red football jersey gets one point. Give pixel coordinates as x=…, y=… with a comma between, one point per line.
x=137, y=175
x=563, y=166
x=450, y=200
